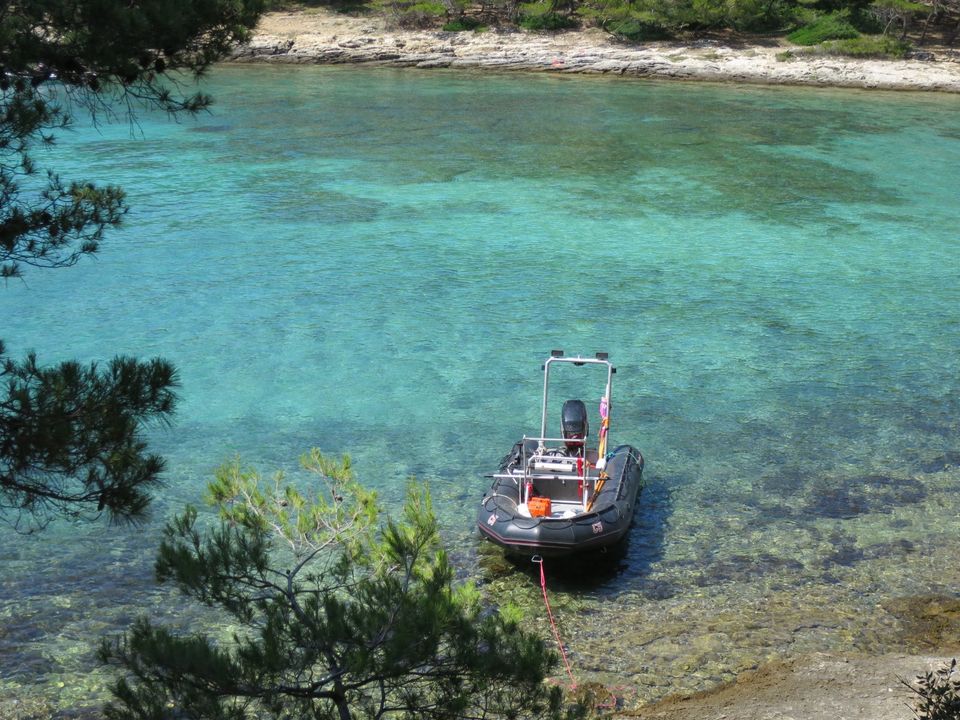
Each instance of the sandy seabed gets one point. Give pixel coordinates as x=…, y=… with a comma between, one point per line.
x=323, y=37
x=817, y=687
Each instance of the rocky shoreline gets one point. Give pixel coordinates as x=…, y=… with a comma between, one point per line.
x=324, y=37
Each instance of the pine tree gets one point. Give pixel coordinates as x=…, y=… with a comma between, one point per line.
x=338, y=618
x=70, y=438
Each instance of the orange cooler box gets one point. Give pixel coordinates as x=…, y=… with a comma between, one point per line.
x=539, y=506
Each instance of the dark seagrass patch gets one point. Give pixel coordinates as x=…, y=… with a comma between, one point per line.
x=943, y=462
x=865, y=494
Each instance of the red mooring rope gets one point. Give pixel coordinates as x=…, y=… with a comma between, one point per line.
x=543, y=586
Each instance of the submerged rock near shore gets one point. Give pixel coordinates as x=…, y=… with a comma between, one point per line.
x=322, y=37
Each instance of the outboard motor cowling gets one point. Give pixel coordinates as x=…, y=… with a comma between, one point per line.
x=574, y=425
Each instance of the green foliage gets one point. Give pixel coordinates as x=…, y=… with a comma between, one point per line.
x=54, y=56
x=344, y=510
x=346, y=7
x=622, y=20
x=464, y=24
x=70, y=438
x=703, y=14
x=867, y=46
x=868, y=23
x=639, y=20
x=902, y=6
x=644, y=20
x=937, y=693
x=633, y=21
x=548, y=21
x=435, y=9
x=512, y=612
x=419, y=15
x=835, y=26
x=639, y=30
x=542, y=15
x=339, y=617
x=889, y=13
x=759, y=15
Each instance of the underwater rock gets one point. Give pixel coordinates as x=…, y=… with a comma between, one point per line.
x=886, y=493
x=786, y=482
x=845, y=555
x=929, y=621
x=771, y=512
x=210, y=128
x=660, y=590
x=596, y=695
x=26, y=707
x=866, y=494
x=944, y=462
x=744, y=568
x=836, y=503
x=901, y=548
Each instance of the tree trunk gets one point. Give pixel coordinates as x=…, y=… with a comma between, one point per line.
x=343, y=708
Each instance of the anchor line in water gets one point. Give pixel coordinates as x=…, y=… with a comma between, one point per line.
x=556, y=633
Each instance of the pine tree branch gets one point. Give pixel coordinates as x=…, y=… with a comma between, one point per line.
x=378, y=636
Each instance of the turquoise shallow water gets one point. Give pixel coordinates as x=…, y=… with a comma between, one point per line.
x=377, y=261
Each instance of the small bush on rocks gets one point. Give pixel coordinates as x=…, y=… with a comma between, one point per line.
x=937, y=693
x=868, y=46
x=463, y=24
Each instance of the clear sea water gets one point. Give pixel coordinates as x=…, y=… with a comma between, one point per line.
x=377, y=261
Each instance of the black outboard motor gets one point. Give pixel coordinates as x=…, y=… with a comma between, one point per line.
x=575, y=425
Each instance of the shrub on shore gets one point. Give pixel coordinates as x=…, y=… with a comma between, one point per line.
x=464, y=24
x=421, y=14
x=878, y=47
x=867, y=46
x=638, y=30
x=835, y=26
x=548, y=21
x=540, y=15
x=937, y=693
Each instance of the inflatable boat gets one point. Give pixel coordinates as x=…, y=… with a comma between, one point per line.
x=554, y=496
